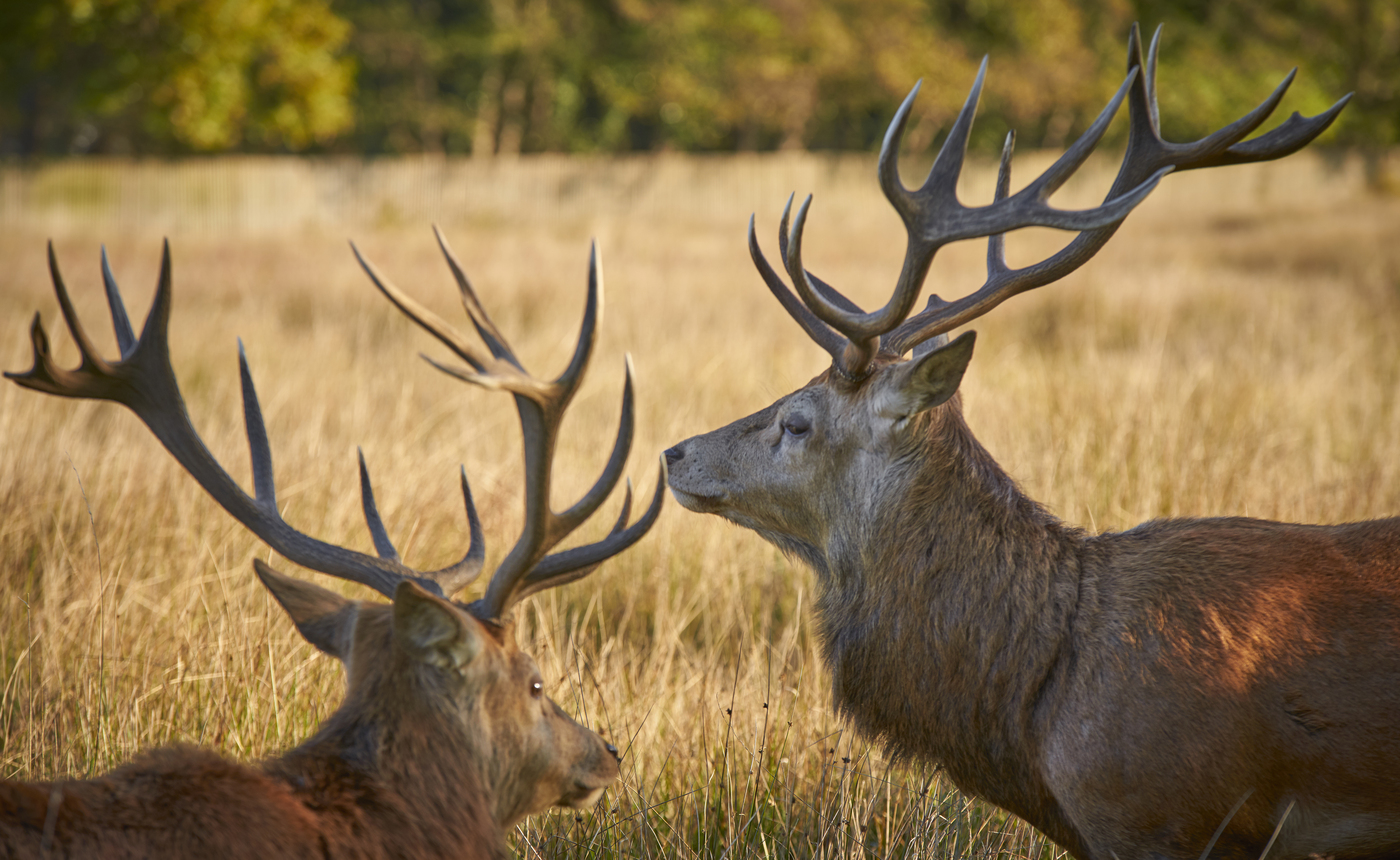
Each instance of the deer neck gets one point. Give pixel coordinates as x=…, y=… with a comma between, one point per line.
x=401, y=774
x=951, y=569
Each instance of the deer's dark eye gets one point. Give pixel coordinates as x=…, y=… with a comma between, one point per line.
x=536, y=689
x=797, y=426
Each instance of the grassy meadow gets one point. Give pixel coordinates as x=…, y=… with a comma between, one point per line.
x=1232, y=351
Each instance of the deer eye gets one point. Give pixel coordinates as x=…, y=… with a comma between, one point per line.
x=536, y=689
x=796, y=426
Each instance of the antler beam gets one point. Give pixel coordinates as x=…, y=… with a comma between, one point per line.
x=144, y=381
x=934, y=217
x=541, y=404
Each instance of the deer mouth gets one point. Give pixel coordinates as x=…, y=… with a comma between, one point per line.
x=582, y=796
x=698, y=502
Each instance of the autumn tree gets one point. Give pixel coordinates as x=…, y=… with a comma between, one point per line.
x=157, y=76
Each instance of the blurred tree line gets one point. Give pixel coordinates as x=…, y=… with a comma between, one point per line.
x=500, y=77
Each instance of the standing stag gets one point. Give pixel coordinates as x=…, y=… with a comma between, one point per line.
x=445, y=738
x=1127, y=694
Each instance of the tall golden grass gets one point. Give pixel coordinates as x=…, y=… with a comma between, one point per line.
x=1232, y=351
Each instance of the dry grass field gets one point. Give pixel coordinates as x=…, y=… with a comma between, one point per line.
x=1232, y=351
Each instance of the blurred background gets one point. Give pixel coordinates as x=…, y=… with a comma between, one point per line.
x=502, y=77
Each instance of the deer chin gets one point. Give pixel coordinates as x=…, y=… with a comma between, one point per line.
x=582, y=797
x=699, y=503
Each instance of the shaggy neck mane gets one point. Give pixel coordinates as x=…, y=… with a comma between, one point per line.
x=963, y=576
x=394, y=776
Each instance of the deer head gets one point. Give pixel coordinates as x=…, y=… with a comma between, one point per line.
x=820, y=459
x=435, y=687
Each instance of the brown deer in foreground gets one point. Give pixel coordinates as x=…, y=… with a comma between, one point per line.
x=444, y=739
x=1127, y=694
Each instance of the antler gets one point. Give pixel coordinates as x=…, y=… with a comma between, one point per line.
x=527, y=569
x=144, y=381
x=934, y=217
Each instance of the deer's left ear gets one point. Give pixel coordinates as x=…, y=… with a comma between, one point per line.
x=927, y=380
x=324, y=618
x=434, y=631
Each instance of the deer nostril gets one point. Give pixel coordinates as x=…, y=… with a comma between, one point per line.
x=612, y=749
x=674, y=455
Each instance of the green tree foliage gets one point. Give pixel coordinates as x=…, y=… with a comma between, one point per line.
x=171, y=75
x=505, y=76
x=500, y=77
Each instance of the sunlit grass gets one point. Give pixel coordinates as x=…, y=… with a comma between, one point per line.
x=1231, y=352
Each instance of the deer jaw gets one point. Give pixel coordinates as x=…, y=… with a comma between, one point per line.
x=806, y=472
x=537, y=755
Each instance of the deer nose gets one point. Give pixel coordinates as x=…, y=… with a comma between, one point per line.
x=612, y=749
x=674, y=455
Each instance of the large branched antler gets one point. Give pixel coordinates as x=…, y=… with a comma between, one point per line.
x=144, y=380
x=541, y=404
x=934, y=217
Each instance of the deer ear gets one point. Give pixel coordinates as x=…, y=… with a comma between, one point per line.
x=433, y=630
x=928, y=380
x=324, y=618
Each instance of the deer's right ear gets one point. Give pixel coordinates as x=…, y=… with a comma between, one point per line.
x=433, y=629
x=324, y=618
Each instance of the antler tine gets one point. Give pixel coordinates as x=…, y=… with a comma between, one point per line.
x=588, y=331
x=584, y=508
x=492, y=372
x=817, y=330
x=1148, y=158
x=574, y=564
x=378, y=533
x=144, y=381
x=450, y=580
x=828, y=292
x=126, y=338
x=887, y=168
x=539, y=426
x=495, y=341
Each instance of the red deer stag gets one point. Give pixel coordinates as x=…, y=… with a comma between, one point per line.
x=445, y=738
x=1127, y=694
